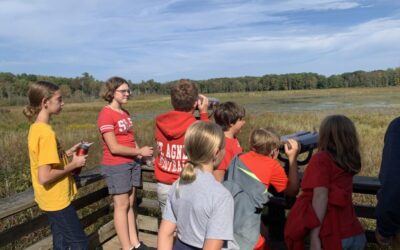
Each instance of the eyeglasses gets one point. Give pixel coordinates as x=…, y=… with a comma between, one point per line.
x=124, y=91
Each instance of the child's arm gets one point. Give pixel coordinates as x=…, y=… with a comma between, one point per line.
x=202, y=104
x=69, y=152
x=166, y=233
x=118, y=149
x=319, y=203
x=211, y=244
x=47, y=174
x=292, y=152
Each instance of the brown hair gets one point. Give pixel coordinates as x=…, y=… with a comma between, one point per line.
x=184, y=95
x=228, y=113
x=110, y=86
x=338, y=137
x=202, y=140
x=264, y=141
x=37, y=92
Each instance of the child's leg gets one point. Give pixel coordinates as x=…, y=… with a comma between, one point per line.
x=58, y=240
x=136, y=181
x=133, y=236
x=67, y=230
x=119, y=182
x=121, y=208
x=162, y=194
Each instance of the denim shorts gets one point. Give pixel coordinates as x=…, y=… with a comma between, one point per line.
x=121, y=178
x=67, y=230
x=356, y=242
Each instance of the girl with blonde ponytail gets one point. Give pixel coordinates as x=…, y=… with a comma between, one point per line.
x=198, y=208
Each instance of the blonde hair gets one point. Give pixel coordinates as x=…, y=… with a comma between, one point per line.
x=37, y=92
x=264, y=140
x=202, y=141
x=338, y=137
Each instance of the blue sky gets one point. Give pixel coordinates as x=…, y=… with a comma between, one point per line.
x=197, y=39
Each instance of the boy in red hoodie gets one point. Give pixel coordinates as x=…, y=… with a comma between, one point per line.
x=169, y=134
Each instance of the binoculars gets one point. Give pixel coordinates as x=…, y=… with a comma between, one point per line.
x=307, y=140
x=212, y=105
x=212, y=102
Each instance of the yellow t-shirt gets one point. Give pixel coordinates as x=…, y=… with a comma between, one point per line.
x=44, y=150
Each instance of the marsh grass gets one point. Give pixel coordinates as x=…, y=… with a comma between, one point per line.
x=371, y=109
x=286, y=111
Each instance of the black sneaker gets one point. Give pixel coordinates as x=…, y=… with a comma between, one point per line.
x=142, y=247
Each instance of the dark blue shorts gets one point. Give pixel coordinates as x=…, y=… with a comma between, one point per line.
x=179, y=245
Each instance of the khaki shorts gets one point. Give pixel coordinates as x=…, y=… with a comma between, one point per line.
x=162, y=194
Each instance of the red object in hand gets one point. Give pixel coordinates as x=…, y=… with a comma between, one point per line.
x=83, y=149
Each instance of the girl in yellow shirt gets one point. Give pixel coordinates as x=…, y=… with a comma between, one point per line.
x=52, y=181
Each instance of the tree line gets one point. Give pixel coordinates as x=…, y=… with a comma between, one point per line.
x=14, y=87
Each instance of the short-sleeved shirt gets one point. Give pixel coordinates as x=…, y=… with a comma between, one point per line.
x=323, y=172
x=203, y=210
x=120, y=123
x=232, y=148
x=268, y=170
x=44, y=150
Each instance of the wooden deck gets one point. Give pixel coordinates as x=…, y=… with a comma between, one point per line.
x=149, y=240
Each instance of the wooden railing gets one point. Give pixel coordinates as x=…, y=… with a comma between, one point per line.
x=95, y=206
x=366, y=186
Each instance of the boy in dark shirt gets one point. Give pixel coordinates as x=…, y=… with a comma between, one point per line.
x=388, y=207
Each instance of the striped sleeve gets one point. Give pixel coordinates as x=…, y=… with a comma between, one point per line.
x=105, y=122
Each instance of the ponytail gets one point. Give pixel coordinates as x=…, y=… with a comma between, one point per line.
x=188, y=174
x=31, y=112
x=202, y=141
x=37, y=92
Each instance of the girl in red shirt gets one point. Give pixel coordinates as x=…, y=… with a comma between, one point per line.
x=324, y=210
x=120, y=149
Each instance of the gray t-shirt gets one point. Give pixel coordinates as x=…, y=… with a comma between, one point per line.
x=203, y=210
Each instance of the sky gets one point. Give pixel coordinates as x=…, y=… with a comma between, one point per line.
x=167, y=40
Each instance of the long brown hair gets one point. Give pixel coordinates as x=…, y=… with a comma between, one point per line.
x=338, y=137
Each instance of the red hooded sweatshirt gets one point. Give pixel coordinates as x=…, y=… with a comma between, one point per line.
x=170, y=132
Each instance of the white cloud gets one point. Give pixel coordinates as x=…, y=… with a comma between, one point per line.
x=166, y=40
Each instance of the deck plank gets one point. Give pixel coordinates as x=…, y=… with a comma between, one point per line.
x=149, y=240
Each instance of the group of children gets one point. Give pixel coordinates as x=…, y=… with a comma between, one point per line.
x=210, y=193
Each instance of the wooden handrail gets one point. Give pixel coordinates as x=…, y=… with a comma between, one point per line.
x=21, y=202
x=25, y=200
